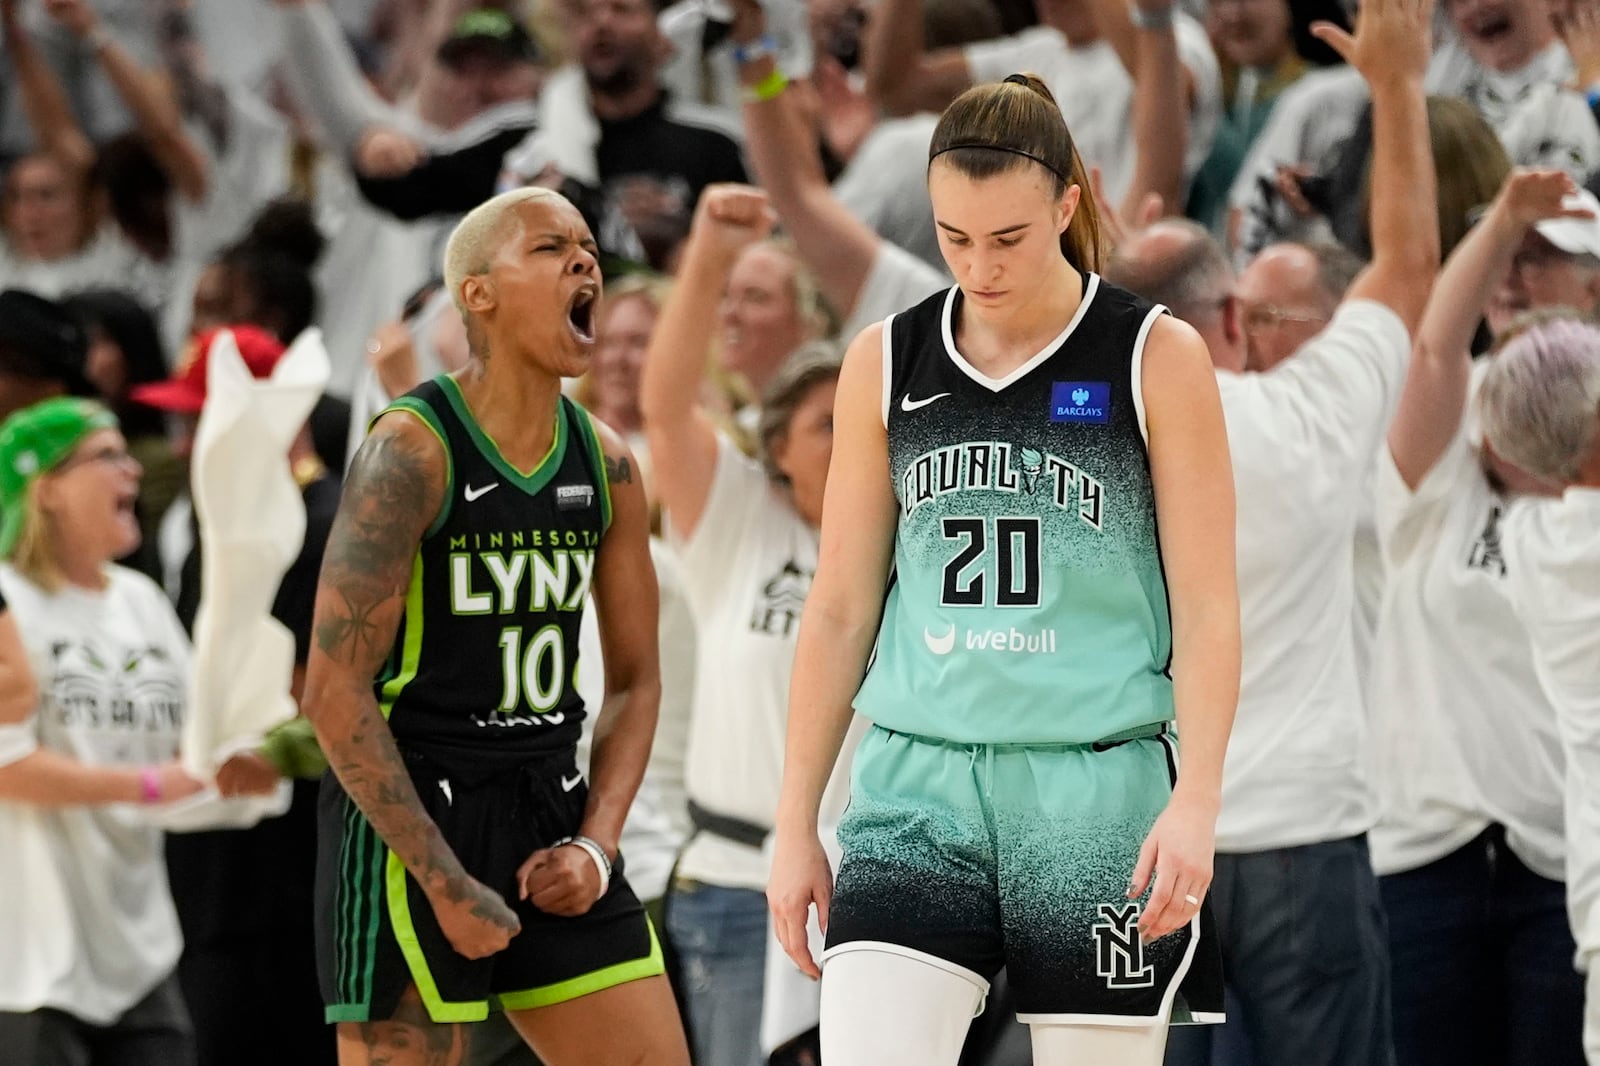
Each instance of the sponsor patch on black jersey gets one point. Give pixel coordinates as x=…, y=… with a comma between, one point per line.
x=574, y=497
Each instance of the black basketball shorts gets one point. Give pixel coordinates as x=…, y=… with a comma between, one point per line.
x=376, y=931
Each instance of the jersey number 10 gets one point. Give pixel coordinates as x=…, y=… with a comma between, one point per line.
x=1014, y=565
x=535, y=674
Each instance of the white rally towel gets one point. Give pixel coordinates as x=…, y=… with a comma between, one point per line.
x=252, y=525
x=567, y=137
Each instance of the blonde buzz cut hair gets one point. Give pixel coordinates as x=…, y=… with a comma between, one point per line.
x=478, y=236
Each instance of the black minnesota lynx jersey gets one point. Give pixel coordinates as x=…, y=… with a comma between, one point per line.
x=482, y=669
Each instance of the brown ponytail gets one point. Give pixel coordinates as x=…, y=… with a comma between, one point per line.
x=991, y=129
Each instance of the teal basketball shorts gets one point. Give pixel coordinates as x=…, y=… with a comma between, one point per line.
x=974, y=857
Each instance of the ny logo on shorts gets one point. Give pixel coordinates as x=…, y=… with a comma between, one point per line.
x=1118, y=952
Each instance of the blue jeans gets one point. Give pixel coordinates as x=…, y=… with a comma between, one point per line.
x=720, y=935
x=1305, y=957
x=1483, y=969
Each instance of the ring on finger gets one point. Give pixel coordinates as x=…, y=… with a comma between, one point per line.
x=1191, y=899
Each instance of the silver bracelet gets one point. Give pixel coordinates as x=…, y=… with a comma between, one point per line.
x=1159, y=19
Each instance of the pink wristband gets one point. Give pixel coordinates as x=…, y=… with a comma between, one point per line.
x=149, y=785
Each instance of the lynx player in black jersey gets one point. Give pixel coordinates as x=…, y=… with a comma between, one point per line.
x=465, y=864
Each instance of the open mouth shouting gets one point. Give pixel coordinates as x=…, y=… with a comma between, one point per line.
x=1492, y=27
x=580, y=312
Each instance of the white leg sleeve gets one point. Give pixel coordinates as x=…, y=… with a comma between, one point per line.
x=1099, y=1045
x=895, y=1007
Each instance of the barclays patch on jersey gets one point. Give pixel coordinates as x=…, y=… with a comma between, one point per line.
x=1088, y=402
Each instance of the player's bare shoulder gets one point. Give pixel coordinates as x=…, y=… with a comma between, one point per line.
x=1173, y=342
x=399, y=475
x=621, y=465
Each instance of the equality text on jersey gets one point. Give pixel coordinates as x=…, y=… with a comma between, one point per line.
x=998, y=466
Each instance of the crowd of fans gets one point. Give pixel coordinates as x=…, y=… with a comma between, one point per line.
x=1405, y=813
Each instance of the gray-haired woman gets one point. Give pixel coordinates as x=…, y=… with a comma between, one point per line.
x=1540, y=402
x=746, y=535
x=1470, y=842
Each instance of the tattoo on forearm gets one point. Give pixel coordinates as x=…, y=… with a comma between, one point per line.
x=353, y=627
x=369, y=765
x=365, y=576
x=619, y=471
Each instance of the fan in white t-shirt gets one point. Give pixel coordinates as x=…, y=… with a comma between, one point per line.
x=746, y=535
x=91, y=934
x=1297, y=795
x=658, y=822
x=1540, y=404
x=1083, y=50
x=141, y=252
x=1506, y=63
x=1470, y=842
x=885, y=179
x=52, y=245
x=863, y=276
x=703, y=67
x=474, y=86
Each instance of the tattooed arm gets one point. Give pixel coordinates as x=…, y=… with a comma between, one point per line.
x=564, y=881
x=393, y=492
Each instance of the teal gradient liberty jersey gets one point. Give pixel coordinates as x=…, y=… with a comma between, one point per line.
x=1028, y=603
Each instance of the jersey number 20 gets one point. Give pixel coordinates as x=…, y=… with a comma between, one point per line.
x=1014, y=563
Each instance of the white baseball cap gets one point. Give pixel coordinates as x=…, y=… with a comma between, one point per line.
x=1575, y=236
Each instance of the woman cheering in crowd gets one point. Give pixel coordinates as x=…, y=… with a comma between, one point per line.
x=92, y=928
x=746, y=536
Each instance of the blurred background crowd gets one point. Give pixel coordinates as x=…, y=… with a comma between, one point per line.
x=169, y=168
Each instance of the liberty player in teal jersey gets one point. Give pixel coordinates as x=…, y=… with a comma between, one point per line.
x=1055, y=534
x=465, y=865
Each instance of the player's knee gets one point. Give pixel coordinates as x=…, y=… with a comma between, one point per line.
x=883, y=1008
x=1070, y=1045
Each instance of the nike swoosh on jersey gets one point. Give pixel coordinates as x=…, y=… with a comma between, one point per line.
x=568, y=786
x=907, y=404
x=472, y=494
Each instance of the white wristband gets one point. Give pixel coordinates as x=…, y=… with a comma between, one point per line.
x=596, y=855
